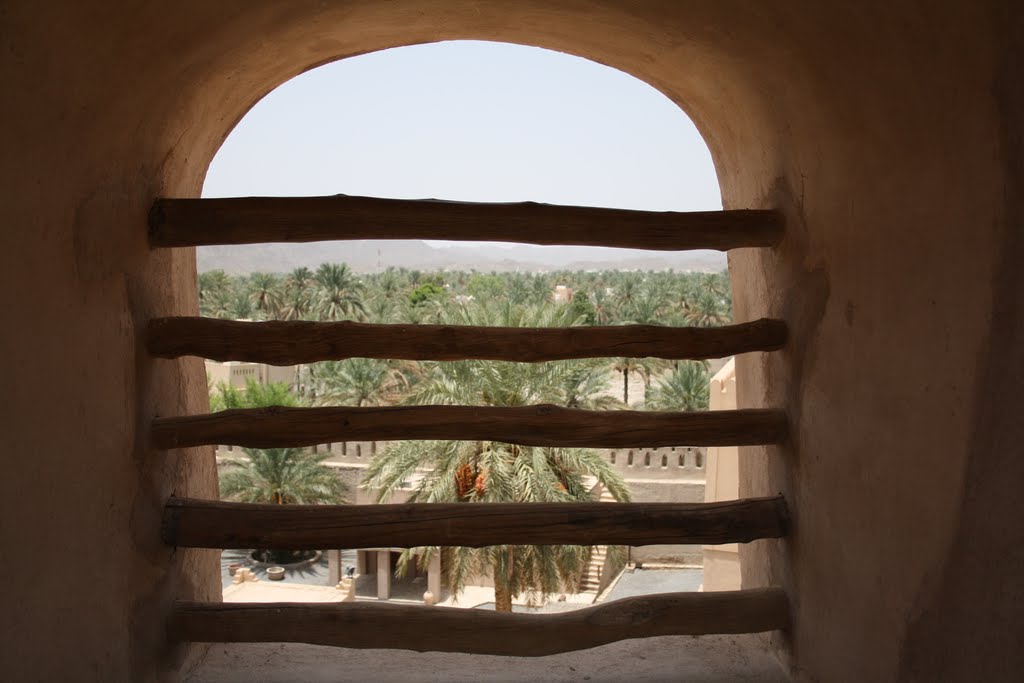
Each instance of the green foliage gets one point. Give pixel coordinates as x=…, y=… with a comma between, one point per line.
x=483, y=472
x=584, y=385
x=255, y=395
x=295, y=300
x=339, y=294
x=274, y=475
x=213, y=284
x=265, y=294
x=470, y=472
x=685, y=388
x=425, y=292
x=356, y=382
x=485, y=287
x=582, y=308
x=282, y=476
x=334, y=292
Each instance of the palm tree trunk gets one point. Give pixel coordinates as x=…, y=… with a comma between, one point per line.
x=502, y=596
x=503, y=584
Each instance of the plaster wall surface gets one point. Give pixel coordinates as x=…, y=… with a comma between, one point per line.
x=722, y=562
x=235, y=374
x=889, y=133
x=654, y=491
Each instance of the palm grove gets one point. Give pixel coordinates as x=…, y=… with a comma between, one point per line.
x=463, y=471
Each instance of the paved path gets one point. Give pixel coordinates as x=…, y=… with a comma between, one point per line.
x=647, y=581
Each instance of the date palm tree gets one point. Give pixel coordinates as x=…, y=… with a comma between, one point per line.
x=685, y=388
x=297, y=297
x=380, y=309
x=218, y=303
x=517, y=288
x=213, y=285
x=295, y=304
x=356, y=382
x=282, y=476
x=584, y=384
x=648, y=308
x=239, y=307
x=265, y=293
x=338, y=292
x=484, y=471
x=626, y=366
x=626, y=293
x=709, y=301
x=602, y=305
x=299, y=279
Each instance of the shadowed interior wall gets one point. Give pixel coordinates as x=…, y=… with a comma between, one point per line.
x=889, y=133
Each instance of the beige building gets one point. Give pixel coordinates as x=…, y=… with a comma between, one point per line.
x=722, y=562
x=235, y=374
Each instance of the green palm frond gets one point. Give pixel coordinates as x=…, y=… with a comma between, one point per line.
x=492, y=472
x=685, y=388
x=282, y=476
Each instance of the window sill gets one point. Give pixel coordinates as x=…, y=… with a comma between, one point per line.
x=705, y=658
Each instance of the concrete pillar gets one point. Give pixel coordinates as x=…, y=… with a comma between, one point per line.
x=360, y=562
x=333, y=567
x=433, y=579
x=383, y=574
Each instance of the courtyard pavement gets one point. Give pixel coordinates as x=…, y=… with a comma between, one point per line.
x=631, y=582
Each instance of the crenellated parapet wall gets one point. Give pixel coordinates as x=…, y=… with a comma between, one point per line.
x=341, y=453
x=686, y=463
x=667, y=463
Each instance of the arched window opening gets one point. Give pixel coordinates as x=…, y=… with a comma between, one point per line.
x=483, y=140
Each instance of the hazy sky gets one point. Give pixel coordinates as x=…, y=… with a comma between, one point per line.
x=473, y=121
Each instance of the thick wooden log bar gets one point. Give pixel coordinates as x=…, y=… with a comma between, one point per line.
x=471, y=631
x=220, y=524
x=246, y=220
x=538, y=425
x=294, y=342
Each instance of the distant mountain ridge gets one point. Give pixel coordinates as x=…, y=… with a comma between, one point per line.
x=369, y=256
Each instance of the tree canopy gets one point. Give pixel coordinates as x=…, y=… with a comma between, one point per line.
x=470, y=472
x=487, y=472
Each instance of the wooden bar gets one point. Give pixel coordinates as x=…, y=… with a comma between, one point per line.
x=538, y=425
x=294, y=342
x=247, y=220
x=220, y=524
x=481, y=632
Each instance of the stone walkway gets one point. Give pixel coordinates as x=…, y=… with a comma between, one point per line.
x=635, y=582
x=631, y=582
